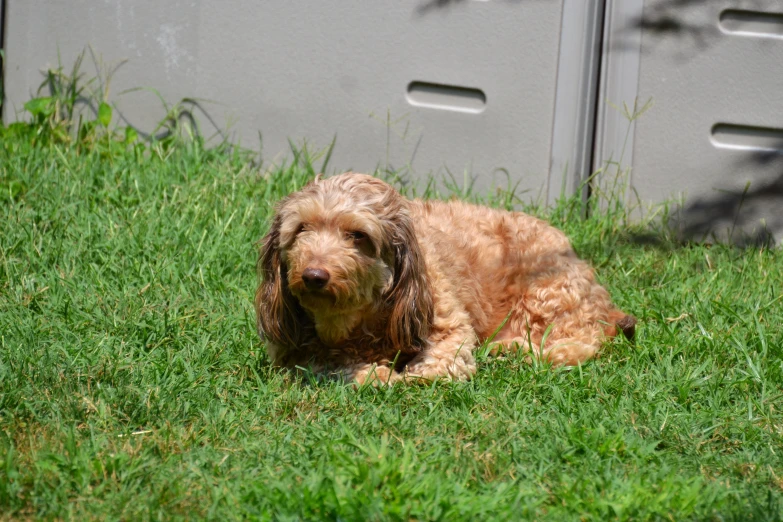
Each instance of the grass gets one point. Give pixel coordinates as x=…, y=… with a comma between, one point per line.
x=133, y=385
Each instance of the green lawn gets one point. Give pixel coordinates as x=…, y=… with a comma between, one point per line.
x=133, y=385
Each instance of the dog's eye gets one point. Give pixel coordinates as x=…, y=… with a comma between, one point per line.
x=356, y=236
x=362, y=242
x=301, y=228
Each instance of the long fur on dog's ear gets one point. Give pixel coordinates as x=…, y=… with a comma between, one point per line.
x=278, y=315
x=410, y=296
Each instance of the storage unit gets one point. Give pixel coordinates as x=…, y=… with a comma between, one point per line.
x=464, y=86
x=713, y=138
x=495, y=91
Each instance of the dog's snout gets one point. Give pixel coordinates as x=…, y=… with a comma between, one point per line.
x=315, y=278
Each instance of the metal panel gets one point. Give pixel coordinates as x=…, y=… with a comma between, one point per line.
x=575, y=98
x=619, y=82
x=714, y=137
x=314, y=70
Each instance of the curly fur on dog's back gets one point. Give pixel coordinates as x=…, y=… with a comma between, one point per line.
x=357, y=279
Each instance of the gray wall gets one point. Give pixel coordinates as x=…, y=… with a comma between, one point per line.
x=312, y=70
x=714, y=135
x=536, y=85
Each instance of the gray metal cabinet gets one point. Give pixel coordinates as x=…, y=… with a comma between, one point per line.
x=713, y=138
x=430, y=86
x=475, y=89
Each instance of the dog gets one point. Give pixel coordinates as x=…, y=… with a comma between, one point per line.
x=363, y=284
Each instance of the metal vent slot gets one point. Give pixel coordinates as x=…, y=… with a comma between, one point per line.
x=752, y=23
x=744, y=137
x=447, y=97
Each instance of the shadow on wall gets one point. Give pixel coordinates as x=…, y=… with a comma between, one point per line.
x=433, y=5
x=691, y=23
x=746, y=218
x=181, y=121
x=430, y=6
x=665, y=18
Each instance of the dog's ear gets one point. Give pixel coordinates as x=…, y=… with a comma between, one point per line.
x=278, y=314
x=410, y=296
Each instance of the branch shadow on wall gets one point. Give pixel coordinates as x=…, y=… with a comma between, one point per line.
x=183, y=120
x=693, y=25
x=665, y=19
x=430, y=6
x=748, y=217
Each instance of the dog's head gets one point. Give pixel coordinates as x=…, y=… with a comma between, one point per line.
x=342, y=252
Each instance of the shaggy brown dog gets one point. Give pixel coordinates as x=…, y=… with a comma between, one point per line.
x=359, y=282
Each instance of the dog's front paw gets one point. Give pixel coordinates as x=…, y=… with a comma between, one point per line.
x=374, y=374
x=425, y=371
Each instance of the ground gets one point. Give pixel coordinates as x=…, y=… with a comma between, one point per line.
x=133, y=385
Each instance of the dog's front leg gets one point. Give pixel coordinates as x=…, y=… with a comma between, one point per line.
x=448, y=355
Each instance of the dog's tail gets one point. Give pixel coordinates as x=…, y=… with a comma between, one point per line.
x=619, y=320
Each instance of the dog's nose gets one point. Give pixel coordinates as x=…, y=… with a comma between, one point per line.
x=315, y=278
